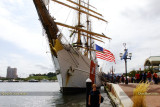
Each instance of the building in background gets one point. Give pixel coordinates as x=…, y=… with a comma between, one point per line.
x=153, y=62
x=12, y=73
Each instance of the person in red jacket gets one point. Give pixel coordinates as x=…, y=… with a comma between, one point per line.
x=155, y=78
x=149, y=76
x=137, y=77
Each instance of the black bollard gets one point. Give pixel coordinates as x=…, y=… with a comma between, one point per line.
x=88, y=89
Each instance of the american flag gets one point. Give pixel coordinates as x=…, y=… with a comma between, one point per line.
x=104, y=54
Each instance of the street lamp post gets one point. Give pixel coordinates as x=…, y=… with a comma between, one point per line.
x=125, y=57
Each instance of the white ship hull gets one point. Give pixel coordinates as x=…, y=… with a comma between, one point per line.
x=73, y=70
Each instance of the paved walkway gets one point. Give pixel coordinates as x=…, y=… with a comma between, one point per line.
x=151, y=100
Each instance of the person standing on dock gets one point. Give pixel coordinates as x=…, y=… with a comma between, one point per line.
x=137, y=77
x=155, y=77
x=149, y=75
x=144, y=77
x=141, y=76
x=132, y=79
x=94, y=97
x=118, y=79
x=122, y=79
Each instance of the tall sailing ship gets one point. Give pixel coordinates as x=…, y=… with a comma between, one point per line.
x=72, y=61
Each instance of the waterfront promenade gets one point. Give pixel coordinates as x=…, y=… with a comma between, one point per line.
x=151, y=100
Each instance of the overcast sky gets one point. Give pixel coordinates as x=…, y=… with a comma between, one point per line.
x=22, y=44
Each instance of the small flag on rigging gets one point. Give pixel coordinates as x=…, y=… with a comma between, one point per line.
x=104, y=54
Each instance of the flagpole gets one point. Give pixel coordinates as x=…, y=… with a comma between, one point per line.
x=126, y=82
x=125, y=57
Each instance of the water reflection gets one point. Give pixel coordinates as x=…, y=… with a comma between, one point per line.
x=76, y=100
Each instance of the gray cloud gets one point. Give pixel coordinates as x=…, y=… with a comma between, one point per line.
x=150, y=12
x=137, y=25
x=46, y=68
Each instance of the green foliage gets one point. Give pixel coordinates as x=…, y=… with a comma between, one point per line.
x=132, y=73
x=41, y=78
x=49, y=76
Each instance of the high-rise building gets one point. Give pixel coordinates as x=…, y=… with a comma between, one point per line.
x=12, y=73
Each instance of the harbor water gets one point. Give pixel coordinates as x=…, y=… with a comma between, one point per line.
x=41, y=94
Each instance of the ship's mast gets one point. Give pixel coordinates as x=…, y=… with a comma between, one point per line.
x=79, y=24
x=87, y=29
x=90, y=44
x=78, y=28
x=89, y=35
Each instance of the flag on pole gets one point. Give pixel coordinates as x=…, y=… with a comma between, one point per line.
x=125, y=54
x=104, y=54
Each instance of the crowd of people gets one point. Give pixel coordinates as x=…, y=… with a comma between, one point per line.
x=138, y=77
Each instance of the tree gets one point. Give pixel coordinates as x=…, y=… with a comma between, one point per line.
x=51, y=74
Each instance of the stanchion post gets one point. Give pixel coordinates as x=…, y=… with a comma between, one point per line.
x=88, y=89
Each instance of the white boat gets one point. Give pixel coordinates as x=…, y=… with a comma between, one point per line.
x=44, y=80
x=33, y=80
x=71, y=60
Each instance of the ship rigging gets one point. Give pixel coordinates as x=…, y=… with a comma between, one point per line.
x=72, y=60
